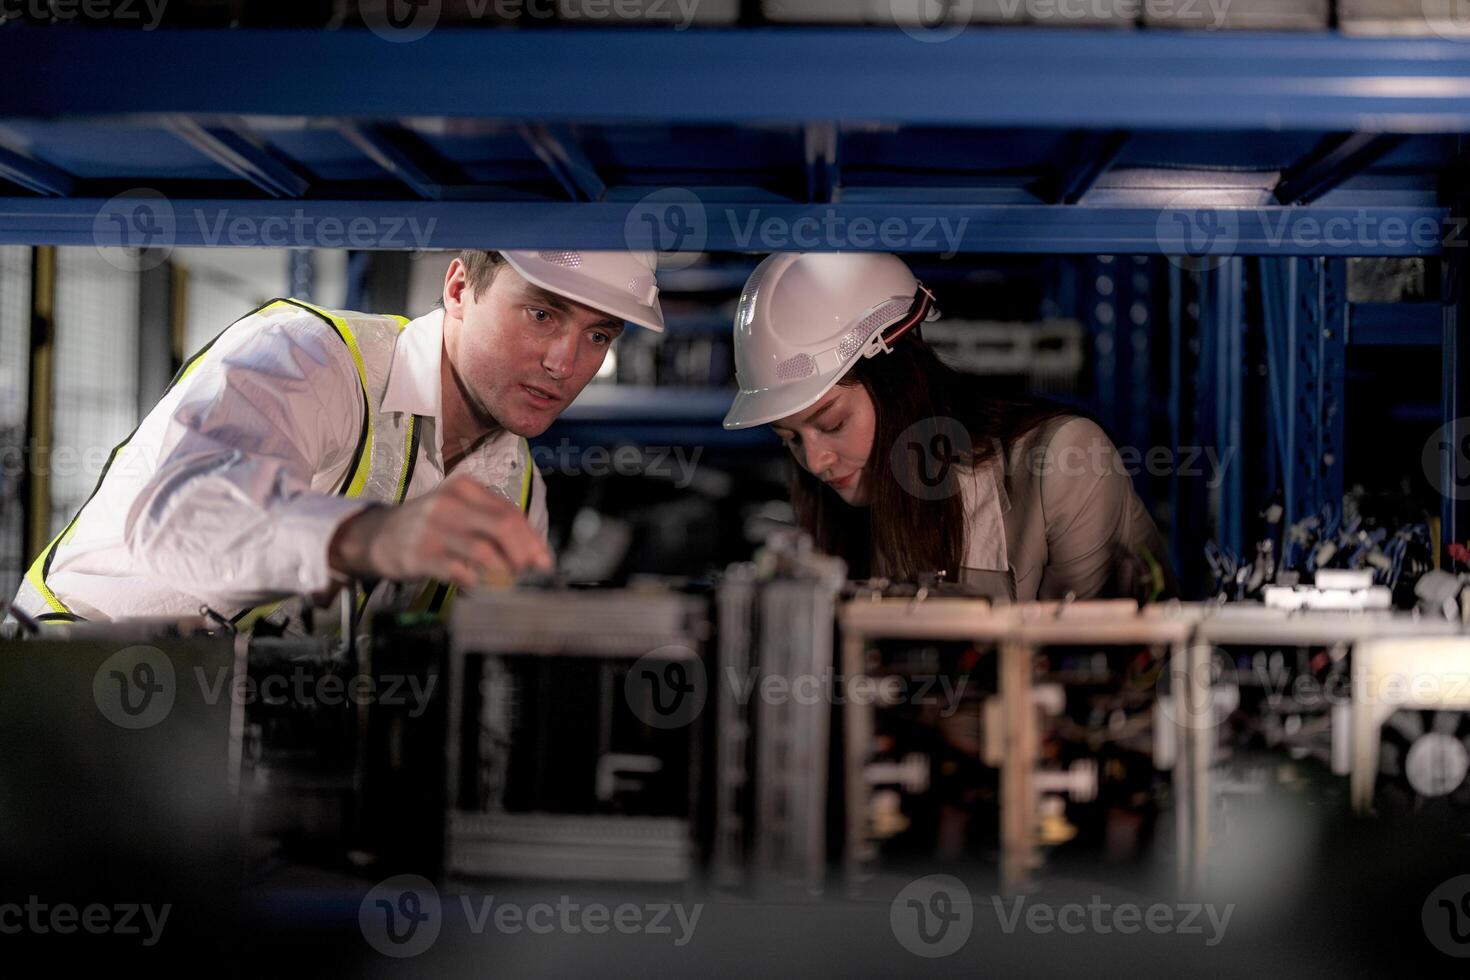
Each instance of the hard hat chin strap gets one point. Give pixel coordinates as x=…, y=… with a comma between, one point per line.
x=917, y=314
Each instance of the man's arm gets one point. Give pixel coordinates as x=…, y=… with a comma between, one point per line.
x=229, y=513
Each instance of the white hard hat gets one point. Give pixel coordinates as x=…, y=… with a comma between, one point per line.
x=805, y=318
x=620, y=283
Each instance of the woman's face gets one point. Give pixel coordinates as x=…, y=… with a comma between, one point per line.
x=833, y=439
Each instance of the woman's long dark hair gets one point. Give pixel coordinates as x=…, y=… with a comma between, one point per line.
x=915, y=521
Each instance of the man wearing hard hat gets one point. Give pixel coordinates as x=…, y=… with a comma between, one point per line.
x=306, y=448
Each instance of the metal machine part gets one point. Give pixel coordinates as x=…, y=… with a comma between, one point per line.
x=1409, y=723
x=1238, y=701
x=774, y=719
x=575, y=724
x=1048, y=726
x=1361, y=556
x=301, y=704
x=618, y=735
x=1297, y=711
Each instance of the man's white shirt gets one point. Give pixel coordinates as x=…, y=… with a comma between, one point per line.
x=225, y=495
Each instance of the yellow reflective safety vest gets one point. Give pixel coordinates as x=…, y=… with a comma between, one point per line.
x=381, y=471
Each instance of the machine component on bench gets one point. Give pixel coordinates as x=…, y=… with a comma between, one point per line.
x=774, y=711
x=1444, y=595
x=1394, y=559
x=1036, y=722
x=1335, y=589
x=607, y=692
x=1423, y=756
x=302, y=709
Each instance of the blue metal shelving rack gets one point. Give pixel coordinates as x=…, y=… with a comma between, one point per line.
x=1263, y=157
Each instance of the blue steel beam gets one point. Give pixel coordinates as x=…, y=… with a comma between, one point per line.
x=1306, y=311
x=1098, y=304
x=359, y=269
x=301, y=274
x=1339, y=158
x=819, y=147
x=756, y=227
x=1454, y=436
x=556, y=148
x=384, y=146
x=1280, y=316
x=1452, y=440
x=1136, y=324
x=1091, y=156
x=1078, y=79
x=239, y=153
x=1174, y=411
x=1220, y=390
x=34, y=175
x=1116, y=304
x=1330, y=437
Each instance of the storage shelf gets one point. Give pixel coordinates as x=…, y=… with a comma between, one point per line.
x=1022, y=140
x=1144, y=79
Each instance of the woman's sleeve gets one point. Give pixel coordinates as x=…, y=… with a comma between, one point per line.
x=1100, y=540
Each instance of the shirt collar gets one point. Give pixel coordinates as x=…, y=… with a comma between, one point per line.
x=413, y=378
x=415, y=385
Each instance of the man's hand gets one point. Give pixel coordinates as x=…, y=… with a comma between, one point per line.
x=458, y=532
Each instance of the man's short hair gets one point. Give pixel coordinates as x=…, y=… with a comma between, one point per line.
x=480, y=267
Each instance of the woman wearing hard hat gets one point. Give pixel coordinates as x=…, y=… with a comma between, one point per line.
x=906, y=467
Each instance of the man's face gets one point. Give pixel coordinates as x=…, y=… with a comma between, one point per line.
x=519, y=353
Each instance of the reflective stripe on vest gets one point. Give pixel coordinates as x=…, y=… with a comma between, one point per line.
x=382, y=466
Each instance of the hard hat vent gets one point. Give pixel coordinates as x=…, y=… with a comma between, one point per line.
x=640, y=285
x=882, y=316
x=567, y=260
x=796, y=368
